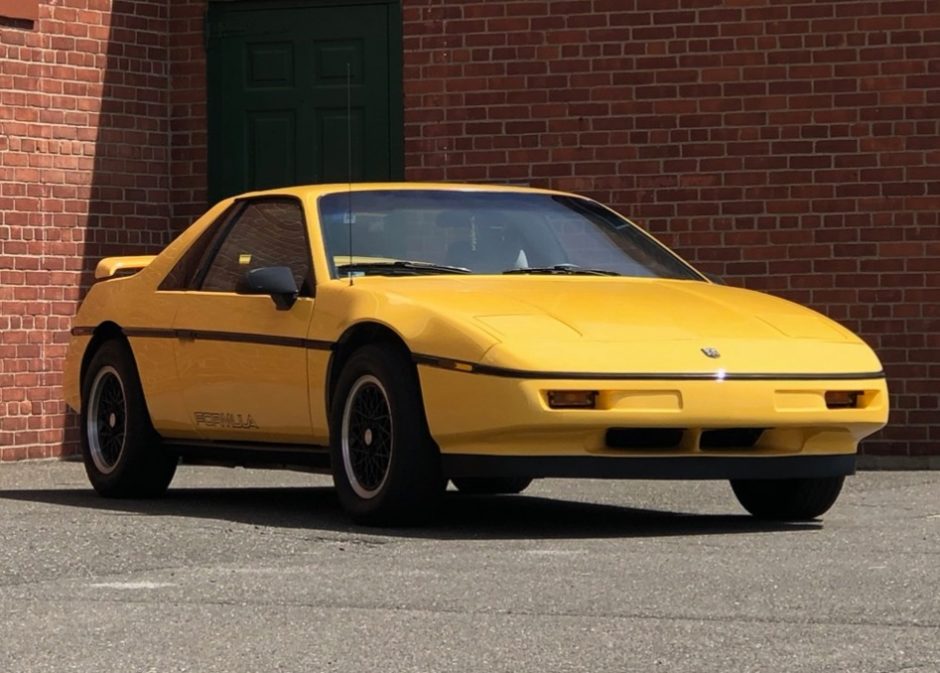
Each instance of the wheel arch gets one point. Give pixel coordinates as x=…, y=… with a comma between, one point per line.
x=355, y=337
x=104, y=332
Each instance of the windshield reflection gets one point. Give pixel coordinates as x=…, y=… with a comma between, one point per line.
x=411, y=232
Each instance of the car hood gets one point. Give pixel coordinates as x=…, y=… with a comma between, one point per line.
x=611, y=325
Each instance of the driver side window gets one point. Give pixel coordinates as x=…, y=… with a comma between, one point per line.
x=267, y=232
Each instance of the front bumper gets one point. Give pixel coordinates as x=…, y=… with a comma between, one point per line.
x=473, y=414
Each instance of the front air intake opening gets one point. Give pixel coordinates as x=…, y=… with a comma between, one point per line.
x=730, y=438
x=644, y=438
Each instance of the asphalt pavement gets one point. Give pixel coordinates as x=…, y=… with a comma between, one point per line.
x=251, y=571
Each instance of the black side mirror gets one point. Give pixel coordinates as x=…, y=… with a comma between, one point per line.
x=276, y=281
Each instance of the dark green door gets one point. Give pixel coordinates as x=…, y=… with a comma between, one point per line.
x=296, y=90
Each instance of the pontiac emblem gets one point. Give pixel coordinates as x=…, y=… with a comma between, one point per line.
x=711, y=352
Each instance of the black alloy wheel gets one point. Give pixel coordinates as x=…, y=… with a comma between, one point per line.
x=367, y=436
x=106, y=424
x=386, y=468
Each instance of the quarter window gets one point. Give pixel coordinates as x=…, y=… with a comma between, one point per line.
x=184, y=274
x=268, y=232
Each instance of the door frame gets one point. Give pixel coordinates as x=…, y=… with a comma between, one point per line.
x=396, y=109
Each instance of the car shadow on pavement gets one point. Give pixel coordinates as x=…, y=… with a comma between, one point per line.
x=458, y=517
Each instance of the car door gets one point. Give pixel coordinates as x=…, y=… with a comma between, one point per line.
x=241, y=358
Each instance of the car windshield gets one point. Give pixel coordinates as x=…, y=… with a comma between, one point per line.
x=419, y=232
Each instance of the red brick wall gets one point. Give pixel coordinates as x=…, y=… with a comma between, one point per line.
x=792, y=147
x=83, y=173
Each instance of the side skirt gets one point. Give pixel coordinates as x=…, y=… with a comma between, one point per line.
x=686, y=467
x=246, y=454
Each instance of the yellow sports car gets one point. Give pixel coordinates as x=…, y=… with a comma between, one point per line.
x=401, y=335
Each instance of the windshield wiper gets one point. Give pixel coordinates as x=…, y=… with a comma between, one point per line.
x=400, y=267
x=562, y=269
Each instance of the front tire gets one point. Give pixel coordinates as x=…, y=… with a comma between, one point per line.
x=787, y=499
x=386, y=468
x=121, y=451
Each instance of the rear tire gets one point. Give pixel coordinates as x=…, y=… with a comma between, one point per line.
x=386, y=468
x=787, y=499
x=491, y=485
x=122, y=453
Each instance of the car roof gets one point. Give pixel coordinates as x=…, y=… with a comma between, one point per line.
x=307, y=191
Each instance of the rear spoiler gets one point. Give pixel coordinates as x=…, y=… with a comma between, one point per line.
x=118, y=267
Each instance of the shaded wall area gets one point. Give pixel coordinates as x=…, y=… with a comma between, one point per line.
x=790, y=146
x=188, y=114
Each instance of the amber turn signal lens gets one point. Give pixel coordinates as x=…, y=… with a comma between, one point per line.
x=842, y=399
x=572, y=399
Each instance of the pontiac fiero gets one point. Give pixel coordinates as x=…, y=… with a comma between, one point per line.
x=403, y=335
